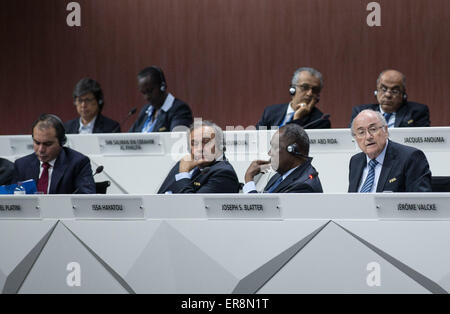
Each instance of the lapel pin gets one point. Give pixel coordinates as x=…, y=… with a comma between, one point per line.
x=392, y=180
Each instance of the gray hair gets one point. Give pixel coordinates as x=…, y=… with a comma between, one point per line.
x=313, y=72
x=377, y=113
x=403, y=77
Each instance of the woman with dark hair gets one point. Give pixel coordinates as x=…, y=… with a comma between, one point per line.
x=88, y=99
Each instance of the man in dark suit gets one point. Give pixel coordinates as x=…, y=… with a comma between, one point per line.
x=392, y=102
x=56, y=169
x=6, y=171
x=306, y=86
x=384, y=165
x=205, y=169
x=289, y=149
x=163, y=112
x=88, y=99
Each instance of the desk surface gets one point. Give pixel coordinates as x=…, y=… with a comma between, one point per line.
x=318, y=244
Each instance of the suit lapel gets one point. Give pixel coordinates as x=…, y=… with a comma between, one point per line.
x=160, y=121
x=35, y=169
x=389, y=160
x=272, y=181
x=98, y=125
x=400, y=116
x=281, y=114
x=58, y=171
x=355, y=179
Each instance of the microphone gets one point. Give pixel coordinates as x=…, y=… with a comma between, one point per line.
x=97, y=171
x=130, y=113
x=323, y=117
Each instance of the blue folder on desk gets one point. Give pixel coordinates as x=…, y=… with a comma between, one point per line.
x=29, y=186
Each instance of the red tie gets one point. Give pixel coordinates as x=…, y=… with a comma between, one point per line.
x=43, y=180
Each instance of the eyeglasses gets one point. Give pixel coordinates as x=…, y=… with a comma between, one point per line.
x=88, y=101
x=373, y=130
x=306, y=87
x=394, y=91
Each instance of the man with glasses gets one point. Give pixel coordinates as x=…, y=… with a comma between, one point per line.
x=89, y=102
x=392, y=102
x=306, y=85
x=163, y=112
x=384, y=165
x=205, y=169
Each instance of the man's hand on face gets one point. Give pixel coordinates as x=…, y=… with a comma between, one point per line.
x=188, y=162
x=304, y=109
x=255, y=168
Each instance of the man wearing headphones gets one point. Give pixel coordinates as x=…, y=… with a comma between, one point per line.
x=56, y=169
x=163, y=112
x=289, y=149
x=306, y=85
x=392, y=102
x=88, y=99
x=205, y=169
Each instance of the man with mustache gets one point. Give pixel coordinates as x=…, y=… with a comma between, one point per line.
x=384, y=165
x=306, y=85
x=392, y=102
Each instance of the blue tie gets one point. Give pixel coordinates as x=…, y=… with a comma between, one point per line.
x=275, y=185
x=287, y=119
x=387, y=116
x=368, y=184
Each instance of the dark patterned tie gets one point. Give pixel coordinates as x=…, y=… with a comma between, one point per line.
x=275, y=185
x=43, y=180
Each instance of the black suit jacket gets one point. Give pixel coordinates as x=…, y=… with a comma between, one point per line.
x=6, y=171
x=72, y=172
x=405, y=169
x=179, y=114
x=220, y=177
x=102, y=125
x=304, y=179
x=275, y=114
x=410, y=114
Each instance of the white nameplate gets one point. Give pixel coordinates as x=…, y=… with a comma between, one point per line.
x=243, y=208
x=21, y=146
x=247, y=142
x=426, y=207
x=329, y=141
x=107, y=208
x=435, y=139
x=131, y=145
x=19, y=207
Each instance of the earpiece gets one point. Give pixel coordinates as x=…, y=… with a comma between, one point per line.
x=293, y=149
x=100, y=101
x=375, y=93
x=161, y=78
x=292, y=90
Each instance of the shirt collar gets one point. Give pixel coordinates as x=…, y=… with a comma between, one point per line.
x=168, y=103
x=87, y=127
x=289, y=172
x=51, y=163
x=290, y=109
x=382, y=112
x=380, y=158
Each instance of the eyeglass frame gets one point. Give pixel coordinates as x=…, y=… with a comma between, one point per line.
x=306, y=87
x=395, y=92
x=373, y=130
x=88, y=101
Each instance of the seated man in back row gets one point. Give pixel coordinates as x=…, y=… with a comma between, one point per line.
x=205, y=169
x=289, y=149
x=384, y=165
x=306, y=85
x=392, y=102
x=56, y=169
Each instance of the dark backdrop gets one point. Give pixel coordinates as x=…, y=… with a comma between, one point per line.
x=227, y=58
